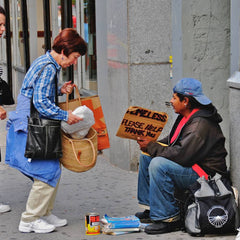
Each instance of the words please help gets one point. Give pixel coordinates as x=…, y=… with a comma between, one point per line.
x=142, y=122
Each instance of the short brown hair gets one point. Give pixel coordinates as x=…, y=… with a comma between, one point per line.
x=2, y=11
x=69, y=41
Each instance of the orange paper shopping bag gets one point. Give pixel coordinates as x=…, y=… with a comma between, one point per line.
x=93, y=102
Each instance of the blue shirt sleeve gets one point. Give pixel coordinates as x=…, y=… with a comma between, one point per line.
x=44, y=95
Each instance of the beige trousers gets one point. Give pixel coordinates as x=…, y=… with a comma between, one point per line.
x=40, y=201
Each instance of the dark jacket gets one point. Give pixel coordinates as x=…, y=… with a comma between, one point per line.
x=200, y=141
x=6, y=97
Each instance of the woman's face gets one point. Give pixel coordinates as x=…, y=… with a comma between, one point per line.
x=70, y=60
x=2, y=24
x=178, y=106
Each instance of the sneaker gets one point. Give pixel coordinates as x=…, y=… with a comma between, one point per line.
x=54, y=220
x=144, y=217
x=4, y=208
x=238, y=235
x=37, y=226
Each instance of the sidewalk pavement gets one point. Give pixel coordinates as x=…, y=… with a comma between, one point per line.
x=105, y=189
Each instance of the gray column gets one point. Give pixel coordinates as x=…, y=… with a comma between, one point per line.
x=234, y=113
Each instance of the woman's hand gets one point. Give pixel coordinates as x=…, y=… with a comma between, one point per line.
x=3, y=113
x=73, y=118
x=67, y=87
x=143, y=142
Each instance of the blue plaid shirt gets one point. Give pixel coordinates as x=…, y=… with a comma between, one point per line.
x=42, y=86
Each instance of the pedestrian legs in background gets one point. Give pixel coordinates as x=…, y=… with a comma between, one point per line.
x=238, y=235
x=4, y=208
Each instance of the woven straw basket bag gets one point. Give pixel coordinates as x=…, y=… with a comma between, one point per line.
x=79, y=155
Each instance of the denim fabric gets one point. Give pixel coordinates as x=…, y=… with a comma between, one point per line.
x=48, y=171
x=157, y=180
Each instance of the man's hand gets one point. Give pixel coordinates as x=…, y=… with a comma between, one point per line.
x=143, y=142
x=3, y=113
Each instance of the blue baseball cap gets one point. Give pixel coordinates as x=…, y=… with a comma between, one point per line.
x=191, y=87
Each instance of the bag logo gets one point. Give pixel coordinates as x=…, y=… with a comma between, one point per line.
x=217, y=216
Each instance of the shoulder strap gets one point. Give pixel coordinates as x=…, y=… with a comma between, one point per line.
x=33, y=110
x=200, y=171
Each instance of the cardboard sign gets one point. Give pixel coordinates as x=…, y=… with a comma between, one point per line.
x=141, y=122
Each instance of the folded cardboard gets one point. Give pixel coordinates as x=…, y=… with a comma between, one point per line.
x=142, y=122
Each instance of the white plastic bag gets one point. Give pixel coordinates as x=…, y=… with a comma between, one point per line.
x=80, y=130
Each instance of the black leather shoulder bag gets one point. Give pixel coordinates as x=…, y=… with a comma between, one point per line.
x=44, y=135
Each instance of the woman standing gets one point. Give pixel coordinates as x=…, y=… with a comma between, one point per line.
x=3, y=114
x=67, y=47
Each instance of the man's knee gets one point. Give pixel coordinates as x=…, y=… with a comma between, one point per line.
x=158, y=164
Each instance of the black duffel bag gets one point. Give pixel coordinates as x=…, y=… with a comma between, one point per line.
x=211, y=207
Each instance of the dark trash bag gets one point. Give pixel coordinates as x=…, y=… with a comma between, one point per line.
x=5, y=94
x=211, y=207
